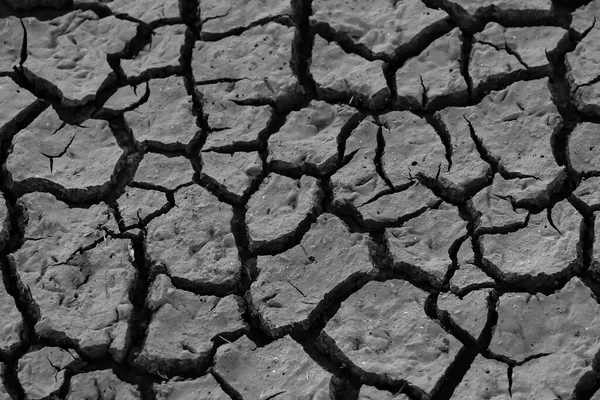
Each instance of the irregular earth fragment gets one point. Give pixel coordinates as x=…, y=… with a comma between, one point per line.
x=588, y=191
x=69, y=50
x=368, y=188
x=166, y=116
x=473, y=5
x=583, y=59
x=425, y=240
x=495, y=211
x=358, y=180
x=232, y=122
x=146, y=10
x=333, y=68
x=280, y=205
x=168, y=172
x=87, y=300
x=194, y=241
x=561, y=325
x=584, y=150
x=184, y=327
x=404, y=205
x=291, y=284
x=79, y=279
x=528, y=43
x=537, y=248
x=205, y=387
x=55, y=232
x=380, y=25
x=438, y=66
x=467, y=273
x=234, y=171
x=309, y=135
x=487, y=61
x=11, y=327
x=101, y=385
x=162, y=51
x=261, y=54
x=382, y=328
x=583, y=17
x=586, y=98
x=532, y=43
x=137, y=204
x=467, y=164
x=469, y=312
x=514, y=125
x=485, y=379
x=42, y=372
x=13, y=99
x=3, y=392
x=411, y=146
x=224, y=15
x=413, y=17
x=371, y=393
x=74, y=157
x=281, y=368
x=563, y=322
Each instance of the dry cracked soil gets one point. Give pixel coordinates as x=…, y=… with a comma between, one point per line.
x=305, y=199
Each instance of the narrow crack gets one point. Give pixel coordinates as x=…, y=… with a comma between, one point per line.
x=141, y=314
x=302, y=45
x=466, y=49
x=378, y=160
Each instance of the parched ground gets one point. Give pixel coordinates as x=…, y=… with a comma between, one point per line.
x=305, y=199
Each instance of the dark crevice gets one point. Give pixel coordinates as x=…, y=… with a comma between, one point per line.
x=465, y=57
x=345, y=132
x=302, y=45
x=340, y=389
x=204, y=288
x=378, y=160
x=513, y=53
x=453, y=254
x=438, y=124
x=226, y=386
x=138, y=293
x=284, y=20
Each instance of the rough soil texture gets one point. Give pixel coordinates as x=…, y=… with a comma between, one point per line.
x=304, y=199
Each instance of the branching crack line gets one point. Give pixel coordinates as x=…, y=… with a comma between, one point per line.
x=59, y=155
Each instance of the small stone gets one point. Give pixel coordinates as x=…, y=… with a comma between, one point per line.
x=124, y=311
x=159, y=291
x=120, y=341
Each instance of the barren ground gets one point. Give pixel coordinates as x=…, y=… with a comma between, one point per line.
x=305, y=199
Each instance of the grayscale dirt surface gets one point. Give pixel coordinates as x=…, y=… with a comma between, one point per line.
x=303, y=199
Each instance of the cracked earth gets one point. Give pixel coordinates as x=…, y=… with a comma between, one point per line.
x=305, y=199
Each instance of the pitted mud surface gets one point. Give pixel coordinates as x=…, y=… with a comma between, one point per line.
x=314, y=199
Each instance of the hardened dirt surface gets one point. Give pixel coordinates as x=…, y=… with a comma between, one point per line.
x=305, y=199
